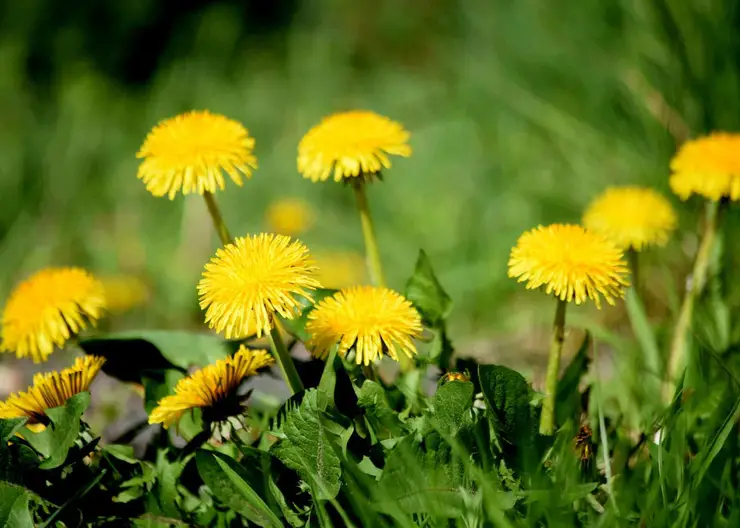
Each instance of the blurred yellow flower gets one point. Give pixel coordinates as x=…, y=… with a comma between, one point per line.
x=339, y=269
x=192, y=151
x=51, y=389
x=48, y=308
x=124, y=292
x=212, y=388
x=371, y=319
x=571, y=262
x=351, y=144
x=253, y=278
x=632, y=217
x=289, y=216
x=708, y=166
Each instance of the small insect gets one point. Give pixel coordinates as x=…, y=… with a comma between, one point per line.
x=583, y=445
x=454, y=376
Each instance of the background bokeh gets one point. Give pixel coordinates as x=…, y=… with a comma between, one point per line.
x=520, y=113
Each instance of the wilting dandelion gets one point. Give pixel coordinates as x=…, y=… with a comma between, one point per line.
x=48, y=308
x=212, y=389
x=50, y=390
x=371, y=320
x=574, y=265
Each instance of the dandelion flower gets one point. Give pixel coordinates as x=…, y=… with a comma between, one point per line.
x=47, y=309
x=632, y=217
x=371, y=319
x=212, y=388
x=289, y=216
x=192, y=151
x=51, y=389
x=708, y=166
x=253, y=278
x=351, y=144
x=124, y=292
x=571, y=262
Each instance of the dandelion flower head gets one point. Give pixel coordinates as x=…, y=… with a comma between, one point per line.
x=192, y=151
x=212, y=388
x=289, y=216
x=371, y=319
x=50, y=390
x=350, y=145
x=253, y=278
x=632, y=217
x=48, y=308
x=708, y=166
x=571, y=262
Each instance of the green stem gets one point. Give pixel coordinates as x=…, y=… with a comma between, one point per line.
x=633, y=259
x=282, y=356
x=547, y=418
x=218, y=221
x=368, y=231
x=698, y=279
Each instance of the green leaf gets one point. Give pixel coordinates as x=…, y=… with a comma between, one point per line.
x=124, y=453
x=55, y=441
x=378, y=412
x=297, y=325
x=165, y=491
x=10, y=426
x=228, y=482
x=507, y=397
x=452, y=403
x=308, y=445
x=441, y=350
x=706, y=456
x=157, y=385
x=645, y=337
x=14, y=507
x=426, y=293
x=568, y=396
x=290, y=515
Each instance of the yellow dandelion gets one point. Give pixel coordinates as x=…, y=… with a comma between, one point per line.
x=339, y=269
x=124, y=292
x=371, y=319
x=571, y=262
x=289, y=216
x=51, y=389
x=212, y=388
x=708, y=166
x=351, y=144
x=632, y=217
x=47, y=309
x=192, y=151
x=253, y=278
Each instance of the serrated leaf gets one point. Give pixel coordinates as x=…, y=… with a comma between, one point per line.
x=308, y=446
x=290, y=515
x=228, y=482
x=507, y=397
x=426, y=293
x=59, y=436
x=378, y=412
x=14, y=507
x=125, y=453
x=452, y=403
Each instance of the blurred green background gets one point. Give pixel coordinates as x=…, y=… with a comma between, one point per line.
x=520, y=113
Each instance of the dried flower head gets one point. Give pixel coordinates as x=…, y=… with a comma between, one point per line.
x=212, y=388
x=708, y=166
x=370, y=319
x=192, y=151
x=252, y=279
x=351, y=144
x=571, y=262
x=51, y=389
x=48, y=308
x=632, y=217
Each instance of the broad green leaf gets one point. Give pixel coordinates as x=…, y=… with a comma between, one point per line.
x=165, y=491
x=378, y=412
x=507, y=397
x=10, y=426
x=452, y=403
x=568, y=395
x=426, y=293
x=124, y=453
x=55, y=441
x=14, y=507
x=310, y=437
x=228, y=482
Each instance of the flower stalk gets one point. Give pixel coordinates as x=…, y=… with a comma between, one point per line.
x=283, y=359
x=372, y=252
x=547, y=418
x=695, y=285
x=218, y=220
